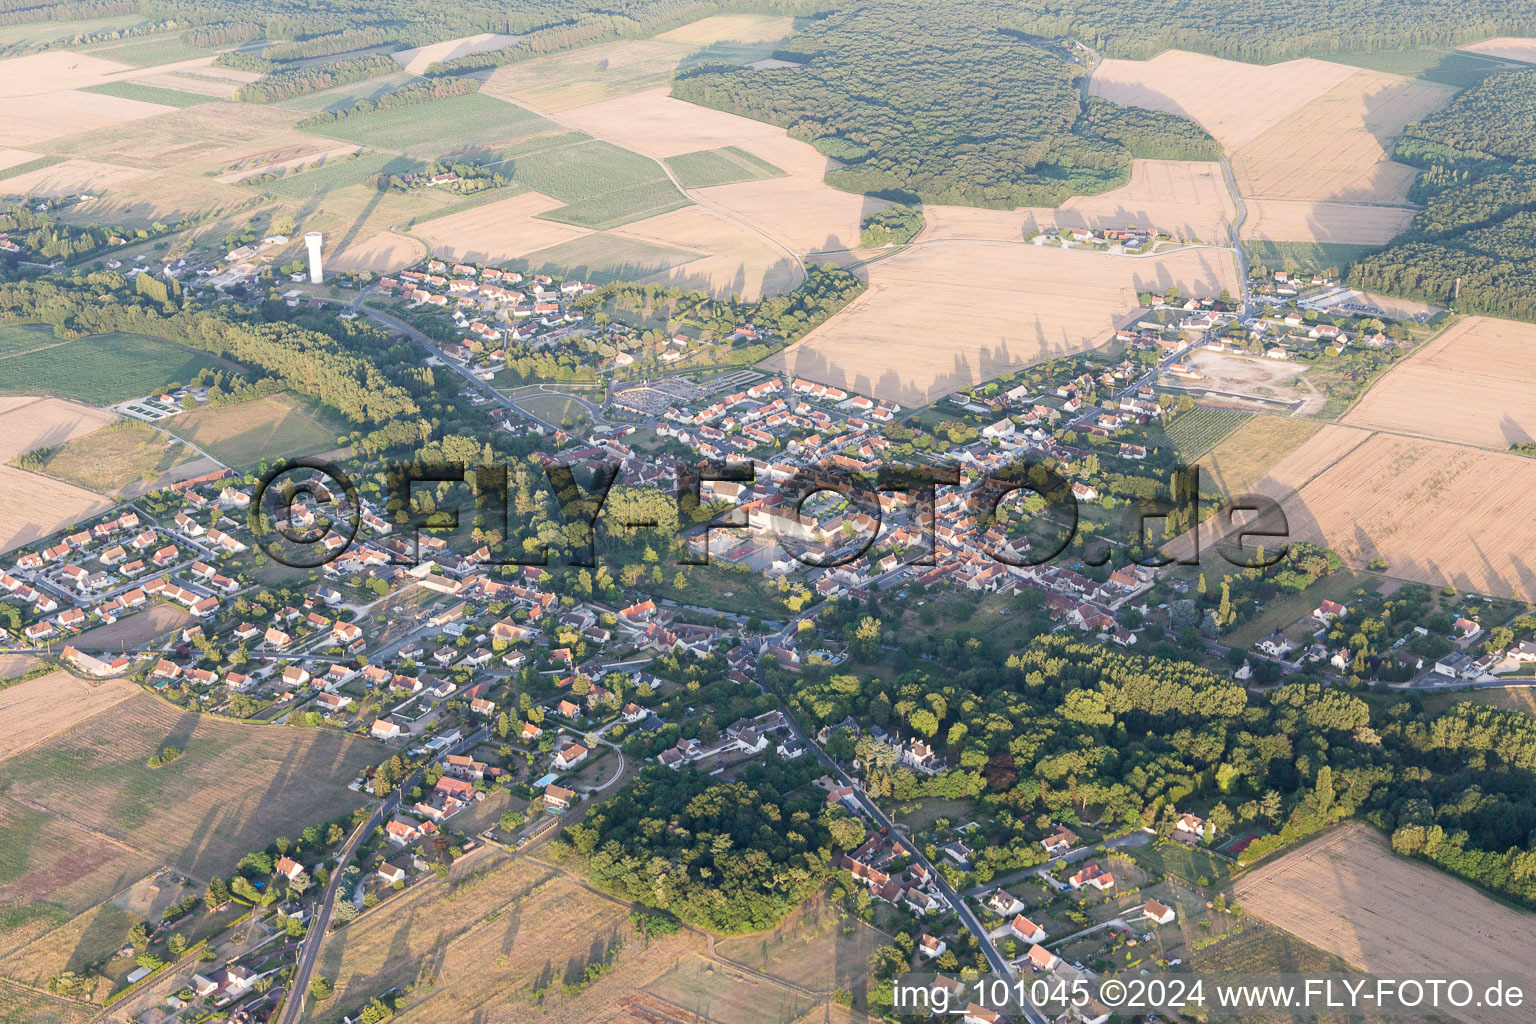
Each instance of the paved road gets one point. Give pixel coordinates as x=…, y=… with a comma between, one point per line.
x=309, y=950
x=1237, y=237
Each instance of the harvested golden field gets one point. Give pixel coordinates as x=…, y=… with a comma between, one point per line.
x=1339, y=145
x=1235, y=102
x=499, y=231
x=799, y=210
x=39, y=709
x=134, y=630
x=729, y=995
x=740, y=261
x=142, y=200
x=1184, y=198
x=383, y=252
x=574, y=78
x=12, y=157
x=732, y=28
x=1348, y=894
x=207, y=137
x=1259, y=448
x=70, y=177
x=491, y=932
x=36, y=506
x=197, y=81
x=1004, y=305
x=93, y=935
x=53, y=70
x=1521, y=48
x=809, y=949
x=417, y=60
x=1474, y=384
x=1302, y=220
x=39, y=422
x=234, y=787
x=52, y=115
x=1437, y=513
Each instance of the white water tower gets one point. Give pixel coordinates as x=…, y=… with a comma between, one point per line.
x=312, y=239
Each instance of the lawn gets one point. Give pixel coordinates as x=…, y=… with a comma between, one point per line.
x=103, y=369
x=1314, y=256
x=149, y=94
x=435, y=129
x=723, y=166
x=920, y=815
x=275, y=427
x=116, y=456
x=335, y=174
x=556, y=409
x=601, y=258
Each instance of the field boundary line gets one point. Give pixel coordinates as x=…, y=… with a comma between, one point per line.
x=1451, y=322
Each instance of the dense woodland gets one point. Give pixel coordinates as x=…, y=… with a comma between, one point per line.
x=945, y=101
x=1477, y=186
x=289, y=82
x=727, y=855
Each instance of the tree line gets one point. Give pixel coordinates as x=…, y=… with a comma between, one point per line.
x=408, y=95
x=289, y=82
x=1469, y=245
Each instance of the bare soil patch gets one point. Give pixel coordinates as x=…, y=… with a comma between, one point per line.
x=134, y=630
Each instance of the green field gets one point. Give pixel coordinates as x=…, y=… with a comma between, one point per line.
x=1448, y=67
x=720, y=167
x=30, y=165
x=158, y=49
x=435, y=129
x=118, y=455
x=1196, y=432
x=149, y=94
x=33, y=32
x=18, y=339
x=584, y=170
x=602, y=258
x=629, y=204
x=1313, y=256
x=334, y=174
x=279, y=426
x=102, y=369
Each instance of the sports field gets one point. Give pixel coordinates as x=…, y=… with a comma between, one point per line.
x=102, y=369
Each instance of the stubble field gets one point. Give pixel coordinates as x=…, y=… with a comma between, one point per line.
x=1004, y=306
x=739, y=260
x=1338, y=146
x=499, y=231
x=1183, y=198
x=1474, y=384
x=35, y=505
x=1520, y=48
x=486, y=935
x=39, y=709
x=1302, y=220
x=233, y=788
x=1236, y=102
x=1348, y=894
